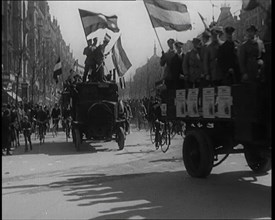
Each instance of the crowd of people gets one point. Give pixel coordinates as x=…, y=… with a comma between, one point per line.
x=213, y=61
x=25, y=119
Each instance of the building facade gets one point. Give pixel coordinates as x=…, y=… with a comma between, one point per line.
x=31, y=45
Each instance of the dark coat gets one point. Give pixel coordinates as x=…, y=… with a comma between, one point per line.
x=249, y=52
x=192, y=66
x=166, y=60
x=227, y=59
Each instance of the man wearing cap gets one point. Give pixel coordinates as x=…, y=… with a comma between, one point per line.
x=88, y=52
x=165, y=60
x=192, y=66
x=249, y=52
x=176, y=66
x=99, y=57
x=228, y=60
x=210, y=66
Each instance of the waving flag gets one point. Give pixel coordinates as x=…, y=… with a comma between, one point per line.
x=120, y=59
x=169, y=15
x=57, y=70
x=249, y=4
x=93, y=21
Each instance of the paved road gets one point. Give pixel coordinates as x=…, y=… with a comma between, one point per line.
x=55, y=182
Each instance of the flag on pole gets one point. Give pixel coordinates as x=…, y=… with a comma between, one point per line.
x=203, y=21
x=93, y=21
x=120, y=59
x=57, y=70
x=169, y=15
x=249, y=4
x=122, y=82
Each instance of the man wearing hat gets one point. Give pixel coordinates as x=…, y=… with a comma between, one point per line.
x=165, y=60
x=227, y=58
x=98, y=74
x=176, y=66
x=249, y=52
x=210, y=65
x=192, y=65
x=88, y=61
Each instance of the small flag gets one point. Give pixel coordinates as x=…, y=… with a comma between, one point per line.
x=57, y=70
x=122, y=82
x=249, y=4
x=120, y=59
x=203, y=21
x=93, y=21
x=169, y=15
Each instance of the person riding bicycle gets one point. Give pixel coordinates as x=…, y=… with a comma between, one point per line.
x=41, y=119
x=26, y=128
x=48, y=118
x=156, y=118
x=67, y=117
x=55, y=116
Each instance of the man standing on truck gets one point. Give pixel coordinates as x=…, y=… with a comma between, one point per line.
x=227, y=59
x=165, y=60
x=89, y=62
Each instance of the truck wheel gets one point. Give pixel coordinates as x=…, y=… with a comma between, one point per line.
x=77, y=139
x=257, y=161
x=120, y=137
x=198, y=154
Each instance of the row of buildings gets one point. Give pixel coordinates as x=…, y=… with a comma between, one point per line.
x=31, y=44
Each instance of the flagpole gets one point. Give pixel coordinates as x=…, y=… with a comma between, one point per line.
x=83, y=26
x=153, y=25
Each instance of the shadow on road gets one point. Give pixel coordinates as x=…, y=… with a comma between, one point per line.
x=231, y=195
x=63, y=148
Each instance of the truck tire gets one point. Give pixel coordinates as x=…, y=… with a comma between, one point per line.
x=257, y=161
x=120, y=138
x=198, y=154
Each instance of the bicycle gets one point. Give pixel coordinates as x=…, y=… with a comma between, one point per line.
x=41, y=129
x=54, y=128
x=162, y=135
x=68, y=127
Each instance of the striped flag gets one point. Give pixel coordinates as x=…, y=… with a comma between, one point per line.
x=93, y=21
x=57, y=70
x=120, y=59
x=249, y=4
x=169, y=15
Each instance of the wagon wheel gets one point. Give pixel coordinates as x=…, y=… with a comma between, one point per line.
x=77, y=140
x=257, y=161
x=198, y=154
x=120, y=138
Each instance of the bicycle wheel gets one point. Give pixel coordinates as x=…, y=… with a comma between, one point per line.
x=152, y=133
x=166, y=138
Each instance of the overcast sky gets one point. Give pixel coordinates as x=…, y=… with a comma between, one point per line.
x=137, y=33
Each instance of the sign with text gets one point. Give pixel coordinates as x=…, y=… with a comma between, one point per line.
x=224, y=102
x=192, y=102
x=208, y=102
x=180, y=102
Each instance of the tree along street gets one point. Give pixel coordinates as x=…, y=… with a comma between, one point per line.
x=54, y=181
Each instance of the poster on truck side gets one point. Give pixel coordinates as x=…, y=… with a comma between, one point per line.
x=163, y=108
x=208, y=102
x=180, y=102
x=224, y=102
x=192, y=102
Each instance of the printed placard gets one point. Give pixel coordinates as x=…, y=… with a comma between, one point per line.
x=180, y=94
x=208, y=103
x=224, y=90
x=163, y=108
x=181, y=108
x=224, y=106
x=192, y=102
